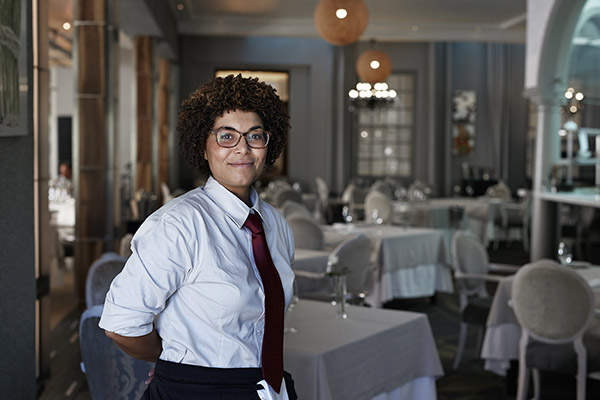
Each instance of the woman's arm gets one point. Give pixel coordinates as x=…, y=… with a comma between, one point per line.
x=147, y=347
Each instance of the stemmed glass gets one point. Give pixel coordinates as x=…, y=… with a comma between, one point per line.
x=340, y=295
x=565, y=255
x=375, y=217
x=288, y=327
x=347, y=214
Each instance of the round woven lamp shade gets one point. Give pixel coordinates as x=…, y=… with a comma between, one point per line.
x=368, y=74
x=341, y=31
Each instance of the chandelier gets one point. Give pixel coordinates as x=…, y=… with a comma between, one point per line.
x=373, y=67
x=367, y=95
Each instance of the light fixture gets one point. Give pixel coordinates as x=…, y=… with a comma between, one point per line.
x=66, y=25
x=367, y=95
x=373, y=66
x=341, y=22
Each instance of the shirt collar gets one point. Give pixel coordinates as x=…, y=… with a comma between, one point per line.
x=235, y=208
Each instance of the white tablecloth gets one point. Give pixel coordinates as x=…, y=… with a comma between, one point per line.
x=63, y=218
x=502, y=335
x=412, y=262
x=374, y=354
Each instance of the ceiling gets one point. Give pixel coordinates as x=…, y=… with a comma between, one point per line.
x=422, y=20
x=389, y=20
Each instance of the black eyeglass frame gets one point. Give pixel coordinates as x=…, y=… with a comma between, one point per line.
x=240, y=134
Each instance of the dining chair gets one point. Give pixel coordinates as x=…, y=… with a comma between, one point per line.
x=517, y=216
x=554, y=306
x=354, y=198
x=472, y=270
x=378, y=208
x=384, y=186
x=110, y=373
x=290, y=207
x=353, y=259
x=323, y=199
x=307, y=232
x=125, y=245
x=283, y=195
x=100, y=276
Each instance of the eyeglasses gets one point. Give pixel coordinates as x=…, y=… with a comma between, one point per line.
x=256, y=138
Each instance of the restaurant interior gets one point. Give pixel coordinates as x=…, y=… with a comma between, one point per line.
x=441, y=179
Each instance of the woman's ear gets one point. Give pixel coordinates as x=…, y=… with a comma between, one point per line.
x=206, y=158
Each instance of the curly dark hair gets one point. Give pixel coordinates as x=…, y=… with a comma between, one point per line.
x=210, y=101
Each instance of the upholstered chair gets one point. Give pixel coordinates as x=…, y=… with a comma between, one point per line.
x=100, y=276
x=554, y=306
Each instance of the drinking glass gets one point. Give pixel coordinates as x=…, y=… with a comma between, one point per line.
x=289, y=316
x=565, y=255
x=340, y=296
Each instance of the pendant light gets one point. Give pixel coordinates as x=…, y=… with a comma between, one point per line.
x=373, y=66
x=341, y=22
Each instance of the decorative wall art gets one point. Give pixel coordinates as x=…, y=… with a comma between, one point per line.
x=13, y=68
x=463, y=122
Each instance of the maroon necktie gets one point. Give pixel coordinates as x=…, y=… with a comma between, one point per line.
x=272, y=348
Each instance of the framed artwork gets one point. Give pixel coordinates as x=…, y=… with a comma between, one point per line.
x=463, y=122
x=13, y=68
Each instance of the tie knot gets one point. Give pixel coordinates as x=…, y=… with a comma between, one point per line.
x=254, y=224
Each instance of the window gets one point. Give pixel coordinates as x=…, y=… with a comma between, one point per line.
x=384, y=133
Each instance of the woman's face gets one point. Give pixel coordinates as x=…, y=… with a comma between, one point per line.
x=236, y=168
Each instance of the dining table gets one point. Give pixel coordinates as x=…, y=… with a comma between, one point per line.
x=409, y=262
x=501, y=340
x=479, y=215
x=373, y=354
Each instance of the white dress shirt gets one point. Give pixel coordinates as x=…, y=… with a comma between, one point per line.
x=193, y=274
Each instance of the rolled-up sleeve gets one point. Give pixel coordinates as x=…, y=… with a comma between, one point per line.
x=158, y=266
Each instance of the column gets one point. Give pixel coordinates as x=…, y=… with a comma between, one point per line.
x=143, y=70
x=93, y=133
x=547, y=153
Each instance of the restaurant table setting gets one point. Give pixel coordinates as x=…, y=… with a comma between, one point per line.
x=479, y=214
x=372, y=354
x=410, y=262
x=502, y=335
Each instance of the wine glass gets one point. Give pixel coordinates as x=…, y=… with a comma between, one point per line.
x=375, y=217
x=347, y=214
x=565, y=255
x=288, y=327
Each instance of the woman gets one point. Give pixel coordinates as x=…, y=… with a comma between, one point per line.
x=194, y=295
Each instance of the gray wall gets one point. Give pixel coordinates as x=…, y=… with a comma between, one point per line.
x=17, y=280
x=319, y=114
x=17, y=263
x=310, y=64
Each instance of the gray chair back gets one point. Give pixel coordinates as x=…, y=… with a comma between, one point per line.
x=307, y=232
x=379, y=202
x=283, y=195
x=125, y=245
x=290, y=208
x=99, y=277
x=552, y=302
x=354, y=256
x=469, y=256
x=110, y=373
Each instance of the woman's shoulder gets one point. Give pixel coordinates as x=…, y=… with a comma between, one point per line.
x=181, y=211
